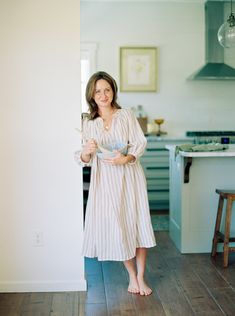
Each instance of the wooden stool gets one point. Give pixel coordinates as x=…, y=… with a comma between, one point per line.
x=219, y=237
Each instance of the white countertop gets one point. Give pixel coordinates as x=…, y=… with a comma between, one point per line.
x=230, y=152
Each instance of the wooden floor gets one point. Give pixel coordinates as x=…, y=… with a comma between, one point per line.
x=182, y=285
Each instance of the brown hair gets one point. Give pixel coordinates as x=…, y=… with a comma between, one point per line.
x=90, y=90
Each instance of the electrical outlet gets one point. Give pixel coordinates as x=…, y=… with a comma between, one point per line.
x=38, y=238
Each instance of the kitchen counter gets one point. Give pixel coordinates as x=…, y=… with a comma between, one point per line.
x=230, y=152
x=194, y=176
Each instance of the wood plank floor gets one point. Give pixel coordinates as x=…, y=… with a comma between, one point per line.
x=182, y=285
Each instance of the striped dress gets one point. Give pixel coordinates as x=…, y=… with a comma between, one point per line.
x=117, y=214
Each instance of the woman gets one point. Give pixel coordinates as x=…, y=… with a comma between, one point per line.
x=118, y=224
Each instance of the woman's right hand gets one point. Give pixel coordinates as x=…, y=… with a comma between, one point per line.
x=89, y=149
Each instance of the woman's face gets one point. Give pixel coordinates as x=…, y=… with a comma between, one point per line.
x=103, y=94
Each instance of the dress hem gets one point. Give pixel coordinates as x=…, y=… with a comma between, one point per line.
x=99, y=258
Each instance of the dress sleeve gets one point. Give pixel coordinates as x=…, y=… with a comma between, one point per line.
x=137, y=140
x=85, y=137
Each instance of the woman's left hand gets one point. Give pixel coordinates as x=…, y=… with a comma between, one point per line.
x=119, y=159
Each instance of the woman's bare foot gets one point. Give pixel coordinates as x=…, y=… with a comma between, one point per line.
x=133, y=285
x=144, y=289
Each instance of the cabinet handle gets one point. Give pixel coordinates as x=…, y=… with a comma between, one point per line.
x=158, y=178
x=157, y=168
x=156, y=149
x=159, y=190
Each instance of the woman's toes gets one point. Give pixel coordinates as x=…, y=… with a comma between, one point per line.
x=133, y=291
x=144, y=288
x=133, y=286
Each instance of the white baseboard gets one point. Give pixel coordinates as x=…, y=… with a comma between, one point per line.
x=43, y=286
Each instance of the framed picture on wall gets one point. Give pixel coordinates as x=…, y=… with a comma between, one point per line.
x=138, y=69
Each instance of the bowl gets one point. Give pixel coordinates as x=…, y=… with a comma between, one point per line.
x=107, y=150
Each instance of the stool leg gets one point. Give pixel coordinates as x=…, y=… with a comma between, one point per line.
x=217, y=226
x=227, y=230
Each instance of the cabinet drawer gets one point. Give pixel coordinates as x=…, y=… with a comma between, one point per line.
x=155, y=161
x=158, y=196
x=156, y=172
x=156, y=146
x=156, y=152
x=159, y=205
x=158, y=184
x=160, y=155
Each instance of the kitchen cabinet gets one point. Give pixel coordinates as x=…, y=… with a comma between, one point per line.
x=155, y=162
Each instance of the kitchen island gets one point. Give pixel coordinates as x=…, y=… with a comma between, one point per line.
x=194, y=176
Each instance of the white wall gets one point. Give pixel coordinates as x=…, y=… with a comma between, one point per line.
x=40, y=184
x=177, y=29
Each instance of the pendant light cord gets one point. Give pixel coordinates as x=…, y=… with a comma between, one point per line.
x=231, y=18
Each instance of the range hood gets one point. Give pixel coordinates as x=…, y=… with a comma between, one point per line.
x=215, y=68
